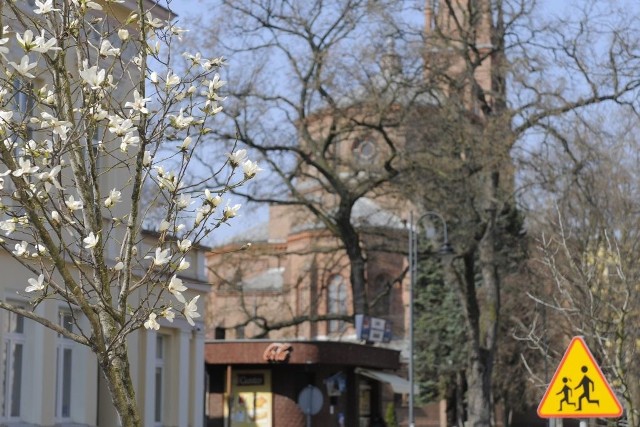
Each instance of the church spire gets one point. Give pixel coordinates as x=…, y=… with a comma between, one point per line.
x=459, y=48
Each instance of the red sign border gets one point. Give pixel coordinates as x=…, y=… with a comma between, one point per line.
x=555, y=376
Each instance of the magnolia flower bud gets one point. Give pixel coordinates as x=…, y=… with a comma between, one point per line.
x=123, y=34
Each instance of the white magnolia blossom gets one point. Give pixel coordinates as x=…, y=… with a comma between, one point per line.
x=3, y=49
x=5, y=116
x=168, y=314
x=35, y=284
x=215, y=84
x=120, y=126
x=184, y=201
x=164, y=226
x=201, y=213
x=237, y=157
x=44, y=7
x=175, y=30
x=129, y=140
x=42, y=45
x=138, y=103
x=185, y=144
x=84, y=4
x=153, y=21
x=195, y=59
x=21, y=249
x=146, y=159
x=91, y=240
x=24, y=67
x=213, y=200
x=45, y=95
x=151, y=322
x=183, y=265
x=60, y=127
x=98, y=113
x=55, y=217
x=25, y=167
x=107, y=49
x=92, y=76
x=212, y=108
x=123, y=34
x=176, y=288
x=230, y=211
x=172, y=79
x=184, y=245
x=25, y=41
x=51, y=178
x=154, y=48
x=153, y=77
x=168, y=179
x=115, y=196
x=119, y=266
x=73, y=204
x=180, y=121
x=250, y=169
x=190, y=311
x=8, y=226
x=161, y=256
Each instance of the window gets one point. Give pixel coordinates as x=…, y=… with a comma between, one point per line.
x=239, y=332
x=64, y=355
x=364, y=151
x=159, y=379
x=12, y=364
x=219, y=333
x=337, y=302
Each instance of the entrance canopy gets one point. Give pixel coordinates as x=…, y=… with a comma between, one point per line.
x=398, y=384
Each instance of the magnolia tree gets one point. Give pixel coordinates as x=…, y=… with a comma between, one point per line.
x=91, y=112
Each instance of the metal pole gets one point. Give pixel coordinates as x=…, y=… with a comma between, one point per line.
x=412, y=282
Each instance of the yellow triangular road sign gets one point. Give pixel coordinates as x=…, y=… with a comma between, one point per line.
x=578, y=389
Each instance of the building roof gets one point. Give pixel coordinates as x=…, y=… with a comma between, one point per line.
x=367, y=212
x=159, y=10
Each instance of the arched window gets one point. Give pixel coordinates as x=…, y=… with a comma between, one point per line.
x=336, y=302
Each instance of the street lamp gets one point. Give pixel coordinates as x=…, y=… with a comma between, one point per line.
x=445, y=249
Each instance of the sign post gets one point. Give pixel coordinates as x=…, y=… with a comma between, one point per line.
x=578, y=389
x=310, y=400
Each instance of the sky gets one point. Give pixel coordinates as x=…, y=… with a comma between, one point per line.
x=187, y=8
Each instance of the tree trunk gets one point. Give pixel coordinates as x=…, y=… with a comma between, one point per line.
x=115, y=368
x=351, y=240
x=479, y=390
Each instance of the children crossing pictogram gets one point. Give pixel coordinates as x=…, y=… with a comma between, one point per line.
x=578, y=388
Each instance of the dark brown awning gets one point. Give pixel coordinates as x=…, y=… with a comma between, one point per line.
x=251, y=352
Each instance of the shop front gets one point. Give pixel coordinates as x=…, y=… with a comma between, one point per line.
x=255, y=383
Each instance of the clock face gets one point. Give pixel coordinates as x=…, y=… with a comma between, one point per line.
x=365, y=150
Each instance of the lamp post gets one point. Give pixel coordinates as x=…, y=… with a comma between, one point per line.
x=445, y=249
